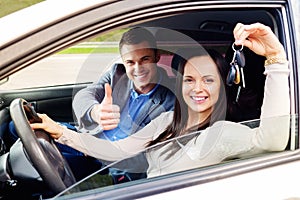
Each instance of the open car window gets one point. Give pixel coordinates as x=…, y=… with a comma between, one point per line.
x=84, y=62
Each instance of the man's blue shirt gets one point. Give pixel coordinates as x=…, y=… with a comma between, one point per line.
x=129, y=115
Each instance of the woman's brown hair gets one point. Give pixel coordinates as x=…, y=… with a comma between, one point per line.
x=180, y=116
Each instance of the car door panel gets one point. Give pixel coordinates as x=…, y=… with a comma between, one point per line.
x=54, y=101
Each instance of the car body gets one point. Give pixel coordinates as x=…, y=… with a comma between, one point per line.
x=34, y=66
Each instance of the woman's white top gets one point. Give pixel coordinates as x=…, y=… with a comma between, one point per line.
x=223, y=140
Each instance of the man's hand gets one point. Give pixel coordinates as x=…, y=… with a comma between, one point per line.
x=106, y=114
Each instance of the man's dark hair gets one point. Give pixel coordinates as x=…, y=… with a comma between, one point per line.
x=137, y=35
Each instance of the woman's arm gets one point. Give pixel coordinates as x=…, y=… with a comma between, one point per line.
x=273, y=131
x=103, y=149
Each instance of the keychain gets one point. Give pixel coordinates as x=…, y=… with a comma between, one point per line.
x=236, y=72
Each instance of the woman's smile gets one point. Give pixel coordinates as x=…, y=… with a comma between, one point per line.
x=199, y=99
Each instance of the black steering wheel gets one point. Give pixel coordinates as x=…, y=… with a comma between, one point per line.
x=40, y=148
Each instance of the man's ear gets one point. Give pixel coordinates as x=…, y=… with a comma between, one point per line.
x=157, y=57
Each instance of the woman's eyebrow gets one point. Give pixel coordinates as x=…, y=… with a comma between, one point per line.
x=209, y=75
x=203, y=76
x=187, y=76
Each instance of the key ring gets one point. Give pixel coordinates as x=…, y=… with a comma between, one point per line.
x=233, y=45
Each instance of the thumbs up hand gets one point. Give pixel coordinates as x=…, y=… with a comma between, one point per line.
x=106, y=113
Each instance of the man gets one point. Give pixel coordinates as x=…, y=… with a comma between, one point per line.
x=136, y=89
x=128, y=97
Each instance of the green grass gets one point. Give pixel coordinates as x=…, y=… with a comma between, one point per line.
x=9, y=6
x=89, y=50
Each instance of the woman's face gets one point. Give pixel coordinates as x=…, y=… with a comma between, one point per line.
x=201, y=85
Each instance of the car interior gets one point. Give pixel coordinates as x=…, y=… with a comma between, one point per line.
x=210, y=28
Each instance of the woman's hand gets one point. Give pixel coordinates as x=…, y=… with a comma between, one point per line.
x=259, y=38
x=54, y=129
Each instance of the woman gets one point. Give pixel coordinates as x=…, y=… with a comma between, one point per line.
x=200, y=96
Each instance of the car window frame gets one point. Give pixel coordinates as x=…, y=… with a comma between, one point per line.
x=196, y=176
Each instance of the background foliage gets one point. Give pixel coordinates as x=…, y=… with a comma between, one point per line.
x=9, y=6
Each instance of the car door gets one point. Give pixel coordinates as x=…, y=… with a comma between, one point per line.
x=210, y=23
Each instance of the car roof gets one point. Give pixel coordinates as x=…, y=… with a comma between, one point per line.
x=48, y=12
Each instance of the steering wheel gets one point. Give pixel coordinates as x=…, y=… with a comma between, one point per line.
x=40, y=148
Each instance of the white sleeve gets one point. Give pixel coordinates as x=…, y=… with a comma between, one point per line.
x=276, y=100
x=116, y=150
x=273, y=132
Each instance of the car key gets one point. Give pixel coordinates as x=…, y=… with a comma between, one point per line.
x=231, y=77
x=237, y=77
x=238, y=94
x=240, y=61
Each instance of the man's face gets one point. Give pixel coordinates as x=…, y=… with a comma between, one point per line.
x=140, y=63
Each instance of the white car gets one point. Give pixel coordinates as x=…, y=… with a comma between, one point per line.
x=51, y=50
